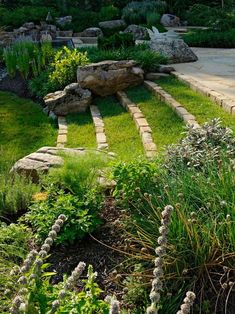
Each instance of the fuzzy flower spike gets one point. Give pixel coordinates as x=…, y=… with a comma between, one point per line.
x=158, y=270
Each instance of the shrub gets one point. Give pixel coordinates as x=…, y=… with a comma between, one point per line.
x=15, y=195
x=202, y=231
x=14, y=242
x=83, y=19
x=153, y=19
x=211, y=39
x=136, y=12
x=148, y=59
x=109, y=12
x=116, y=41
x=27, y=58
x=65, y=66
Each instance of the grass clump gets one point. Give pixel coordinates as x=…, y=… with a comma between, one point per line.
x=81, y=131
x=200, y=106
x=201, y=249
x=149, y=60
x=166, y=126
x=122, y=136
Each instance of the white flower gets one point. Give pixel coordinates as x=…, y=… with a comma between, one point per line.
x=154, y=297
x=45, y=247
x=62, y=217
x=56, y=228
x=52, y=234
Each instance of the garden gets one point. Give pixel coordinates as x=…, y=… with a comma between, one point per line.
x=117, y=171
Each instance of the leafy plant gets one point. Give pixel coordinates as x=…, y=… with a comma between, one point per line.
x=109, y=12
x=117, y=40
x=65, y=66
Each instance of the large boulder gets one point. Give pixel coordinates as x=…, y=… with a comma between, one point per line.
x=112, y=24
x=108, y=77
x=139, y=32
x=177, y=51
x=71, y=100
x=92, y=32
x=170, y=20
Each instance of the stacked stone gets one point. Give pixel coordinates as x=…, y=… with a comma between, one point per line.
x=99, y=128
x=141, y=124
x=63, y=131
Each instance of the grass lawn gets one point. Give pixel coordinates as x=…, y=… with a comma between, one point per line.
x=81, y=131
x=23, y=129
x=200, y=106
x=166, y=126
x=122, y=135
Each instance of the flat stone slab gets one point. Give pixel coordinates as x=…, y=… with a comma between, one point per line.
x=215, y=70
x=42, y=160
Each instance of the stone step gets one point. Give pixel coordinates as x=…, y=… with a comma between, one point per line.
x=159, y=92
x=141, y=124
x=62, y=132
x=99, y=127
x=228, y=104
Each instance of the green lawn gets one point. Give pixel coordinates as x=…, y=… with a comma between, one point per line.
x=121, y=132
x=166, y=126
x=81, y=130
x=23, y=129
x=200, y=106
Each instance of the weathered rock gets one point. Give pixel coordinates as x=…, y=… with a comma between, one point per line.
x=72, y=99
x=112, y=24
x=36, y=164
x=166, y=69
x=170, y=20
x=139, y=32
x=177, y=51
x=108, y=77
x=29, y=25
x=92, y=32
x=64, y=20
x=64, y=33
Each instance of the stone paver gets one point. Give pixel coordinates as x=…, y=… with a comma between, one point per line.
x=62, y=132
x=141, y=124
x=99, y=127
x=171, y=102
x=212, y=75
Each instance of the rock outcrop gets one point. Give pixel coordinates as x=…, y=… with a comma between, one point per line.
x=138, y=32
x=71, y=100
x=92, y=32
x=170, y=20
x=108, y=77
x=112, y=24
x=176, y=50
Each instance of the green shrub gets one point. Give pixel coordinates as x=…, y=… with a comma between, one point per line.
x=15, y=195
x=82, y=216
x=148, y=59
x=65, y=66
x=211, y=39
x=14, y=243
x=153, y=19
x=109, y=12
x=27, y=58
x=202, y=228
x=136, y=12
x=83, y=19
x=116, y=41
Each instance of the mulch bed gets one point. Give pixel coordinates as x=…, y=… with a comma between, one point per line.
x=95, y=249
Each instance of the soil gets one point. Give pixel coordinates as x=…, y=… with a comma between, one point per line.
x=97, y=249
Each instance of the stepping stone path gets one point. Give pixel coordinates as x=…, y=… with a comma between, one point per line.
x=141, y=124
x=170, y=101
x=99, y=128
x=62, y=132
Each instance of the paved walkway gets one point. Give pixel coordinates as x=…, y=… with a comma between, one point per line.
x=214, y=69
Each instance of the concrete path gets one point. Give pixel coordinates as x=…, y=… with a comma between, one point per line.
x=214, y=69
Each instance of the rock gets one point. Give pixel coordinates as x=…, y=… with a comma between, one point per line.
x=72, y=99
x=92, y=32
x=36, y=164
x=108, y=77
x=139, y=32
x=29, y=25
x=166, y=69
x=177, y=51
x=64, y=20
x=112, y=24
x=64, y=33
x=22, y=30
x=170, y=20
